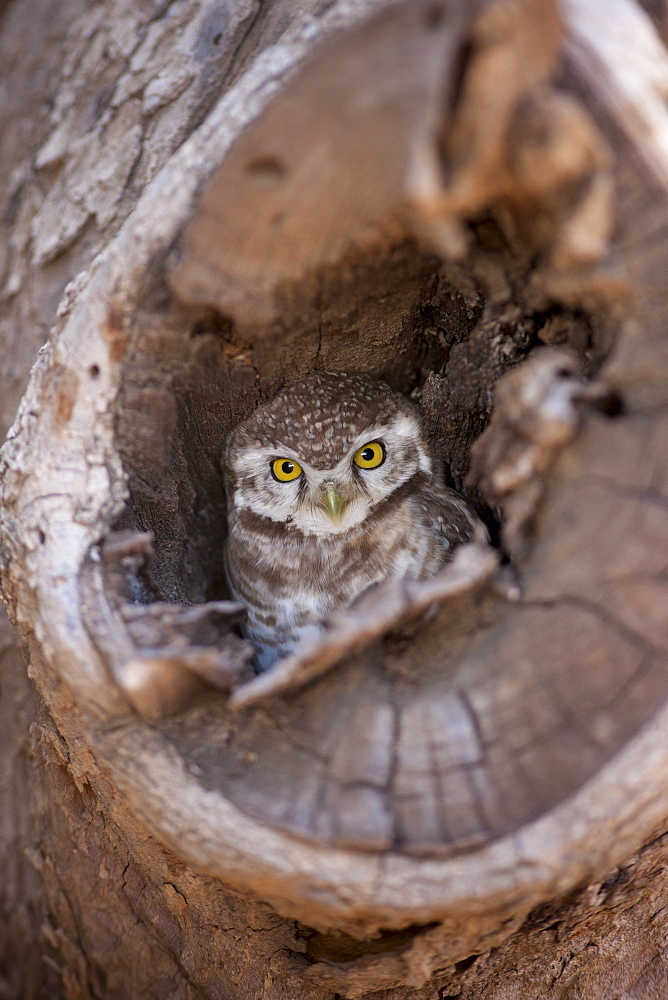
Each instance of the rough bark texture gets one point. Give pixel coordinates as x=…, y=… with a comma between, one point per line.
x=458, y=807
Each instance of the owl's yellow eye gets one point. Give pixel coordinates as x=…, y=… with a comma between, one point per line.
x=370, y=455
x=285, y=470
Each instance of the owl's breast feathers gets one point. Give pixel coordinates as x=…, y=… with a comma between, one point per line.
x=290, y=581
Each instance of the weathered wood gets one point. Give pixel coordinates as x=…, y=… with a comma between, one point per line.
x=161, y=655
x=448, y=208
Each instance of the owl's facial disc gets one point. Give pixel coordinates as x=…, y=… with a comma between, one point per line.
x=320, y=497
x=369, y=456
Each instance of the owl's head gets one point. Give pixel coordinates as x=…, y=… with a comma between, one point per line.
x=325, y=452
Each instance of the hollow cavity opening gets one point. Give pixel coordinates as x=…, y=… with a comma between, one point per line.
x=425, y=327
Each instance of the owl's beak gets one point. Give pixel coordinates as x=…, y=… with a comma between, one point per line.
x=333, y=502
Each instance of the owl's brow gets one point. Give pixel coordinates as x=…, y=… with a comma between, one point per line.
x=250, y=456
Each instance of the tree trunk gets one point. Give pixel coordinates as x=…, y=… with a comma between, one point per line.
x=469, y=202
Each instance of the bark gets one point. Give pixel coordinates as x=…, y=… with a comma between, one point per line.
x=468, y=804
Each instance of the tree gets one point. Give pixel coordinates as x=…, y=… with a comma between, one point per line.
x=471, y=204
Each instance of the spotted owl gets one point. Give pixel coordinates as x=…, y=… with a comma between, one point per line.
x=331, y=487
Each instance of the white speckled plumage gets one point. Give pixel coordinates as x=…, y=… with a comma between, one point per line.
x=287, y=558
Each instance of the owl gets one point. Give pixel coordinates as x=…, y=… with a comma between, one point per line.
x=331, y=487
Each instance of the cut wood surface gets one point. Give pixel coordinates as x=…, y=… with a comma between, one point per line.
x=429, y=193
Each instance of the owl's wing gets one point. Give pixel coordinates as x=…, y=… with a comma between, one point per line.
x=452, y=518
